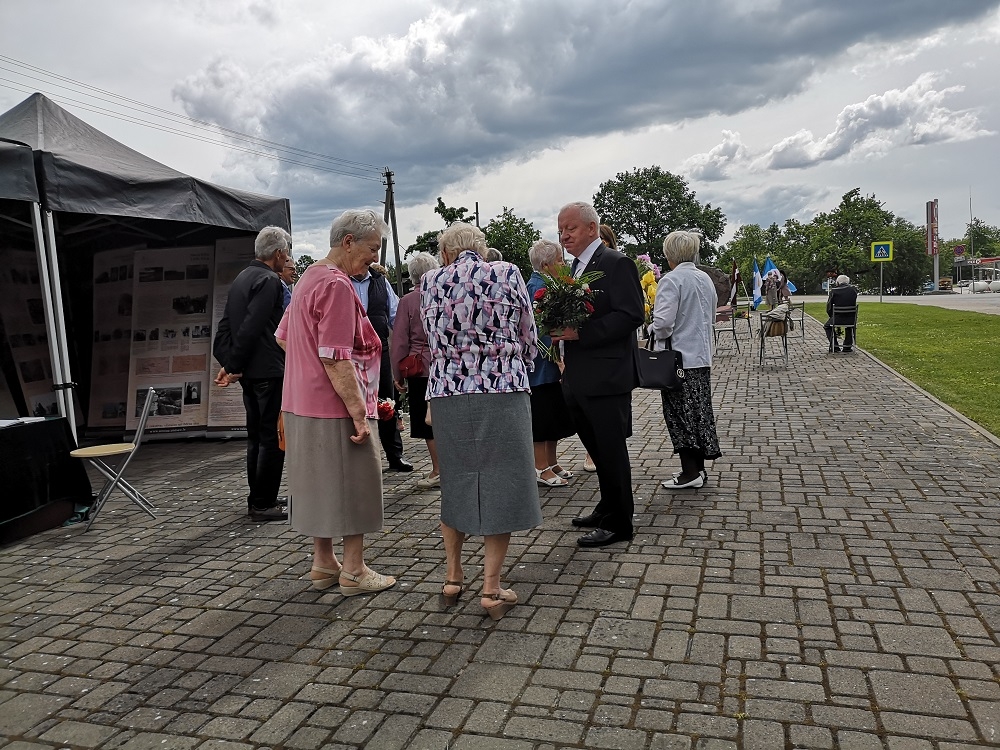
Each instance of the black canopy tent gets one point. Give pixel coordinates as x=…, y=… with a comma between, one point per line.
x=94, y=193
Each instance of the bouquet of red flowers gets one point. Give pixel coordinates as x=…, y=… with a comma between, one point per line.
x=386, y=409
x=565, y=302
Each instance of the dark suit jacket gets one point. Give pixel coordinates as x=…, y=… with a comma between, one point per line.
x=842, y=296
x=602, y=362
x=244, y=342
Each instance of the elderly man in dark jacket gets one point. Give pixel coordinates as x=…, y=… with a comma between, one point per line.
x=842, y=295
x=246, y=348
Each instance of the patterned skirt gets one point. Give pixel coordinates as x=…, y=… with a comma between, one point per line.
x=689, y=415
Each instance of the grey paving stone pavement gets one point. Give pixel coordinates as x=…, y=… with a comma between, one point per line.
x=835, y=585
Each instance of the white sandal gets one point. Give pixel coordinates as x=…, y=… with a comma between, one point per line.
x=564, y=473
x=556, y=481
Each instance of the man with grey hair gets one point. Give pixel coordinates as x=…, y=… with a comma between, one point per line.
x=246, y=348
x=600, y=371
x=841, y=295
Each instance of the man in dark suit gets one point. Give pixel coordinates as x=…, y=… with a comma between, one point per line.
x=842, y=295
x=248, y=352
x=600, y=371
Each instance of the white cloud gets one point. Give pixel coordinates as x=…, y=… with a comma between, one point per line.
x=914, y=116
x=715, y=164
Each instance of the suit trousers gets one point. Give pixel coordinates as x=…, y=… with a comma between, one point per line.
x=265, y=460
x=603, y=424
x=388, y=432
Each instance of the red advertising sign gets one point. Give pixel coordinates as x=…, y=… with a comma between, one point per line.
x=932, y=227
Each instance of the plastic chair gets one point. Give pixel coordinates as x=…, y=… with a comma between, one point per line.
x=96, y=454
x=725, y=322
x=845, y=317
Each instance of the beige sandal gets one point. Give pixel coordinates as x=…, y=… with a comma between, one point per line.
x=504, y=600
x=368, y=582
x=323, y=578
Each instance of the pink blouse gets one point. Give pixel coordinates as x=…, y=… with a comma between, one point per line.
x=326, y=319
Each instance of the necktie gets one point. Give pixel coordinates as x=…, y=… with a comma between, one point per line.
x=572, y=268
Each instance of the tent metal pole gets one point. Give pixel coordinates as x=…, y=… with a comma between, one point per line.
x=65, y=384
x=41, y=255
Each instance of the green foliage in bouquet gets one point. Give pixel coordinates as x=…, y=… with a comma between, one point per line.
x=564, y=302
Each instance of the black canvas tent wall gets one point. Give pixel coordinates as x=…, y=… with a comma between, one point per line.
x=94, y=193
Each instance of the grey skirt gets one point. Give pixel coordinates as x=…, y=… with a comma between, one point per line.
x=335, y=486
x=487, y=462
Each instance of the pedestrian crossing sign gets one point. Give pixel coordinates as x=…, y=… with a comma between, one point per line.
x=881, y=251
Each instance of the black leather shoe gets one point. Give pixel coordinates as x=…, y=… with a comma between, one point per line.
x=587, y=522
x=603, y=537
x=848, y=349
x=401, y=465
x=277, y=513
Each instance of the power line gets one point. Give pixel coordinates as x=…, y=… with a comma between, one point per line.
x=335, y=165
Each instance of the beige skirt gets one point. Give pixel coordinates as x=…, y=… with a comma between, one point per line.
x=335, y=486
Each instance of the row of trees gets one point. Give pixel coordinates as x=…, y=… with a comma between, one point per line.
x=644, y=205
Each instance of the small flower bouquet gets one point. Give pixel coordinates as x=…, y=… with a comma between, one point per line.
x=565, y=302
x=385, y=409
x=649, y=276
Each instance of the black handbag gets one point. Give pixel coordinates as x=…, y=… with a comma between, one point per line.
x=660, y=371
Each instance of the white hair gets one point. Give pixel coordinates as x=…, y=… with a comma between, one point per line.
x=681, y=247
x=587, y=212
x=269, y=241
x=420, y=264
x=843, y=280
x=361, y=223
x=461, y=236
x=544, y=253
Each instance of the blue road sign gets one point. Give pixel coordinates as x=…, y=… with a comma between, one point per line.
x=881, y=251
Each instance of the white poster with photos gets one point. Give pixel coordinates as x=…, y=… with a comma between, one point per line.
x=226, y=414
x=24, y=323
x=109, y=382
x=171, y=339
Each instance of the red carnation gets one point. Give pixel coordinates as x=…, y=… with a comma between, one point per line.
x=540, y=293
x=386, y=409
x=587, y=306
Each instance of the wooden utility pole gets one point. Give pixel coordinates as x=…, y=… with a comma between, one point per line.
x=390, y=219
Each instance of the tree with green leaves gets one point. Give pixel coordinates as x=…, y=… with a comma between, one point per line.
x=512, y=236
x=301, y=264
x=452, y=215
x=643, y=206
x=427, y=242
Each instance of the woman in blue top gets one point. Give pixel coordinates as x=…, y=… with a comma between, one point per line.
x=550, y=419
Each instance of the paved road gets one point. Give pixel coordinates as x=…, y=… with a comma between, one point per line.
x=984, y=303
x=835, y=585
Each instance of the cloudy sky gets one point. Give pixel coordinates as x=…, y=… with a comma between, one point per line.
x=771, y=109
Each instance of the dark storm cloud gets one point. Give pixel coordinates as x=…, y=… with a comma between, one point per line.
x=469, y=88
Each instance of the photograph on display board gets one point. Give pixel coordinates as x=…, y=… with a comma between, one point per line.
x=172, y=291
x=110, y=356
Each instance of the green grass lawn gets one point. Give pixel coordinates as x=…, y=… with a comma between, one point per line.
x=952, y=354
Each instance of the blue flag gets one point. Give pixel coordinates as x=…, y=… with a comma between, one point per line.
x=769, y=266
x=758, y=284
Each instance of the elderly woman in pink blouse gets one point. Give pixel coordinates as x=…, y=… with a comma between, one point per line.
x=481, y=333
x=409, y=346
x=329, y=403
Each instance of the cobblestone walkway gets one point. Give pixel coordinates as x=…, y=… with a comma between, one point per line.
x=835, y=585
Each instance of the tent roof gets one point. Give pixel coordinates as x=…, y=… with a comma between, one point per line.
x=17, y=172
x=82, y=170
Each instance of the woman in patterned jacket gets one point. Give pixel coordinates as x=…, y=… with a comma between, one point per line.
x=481, y=334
